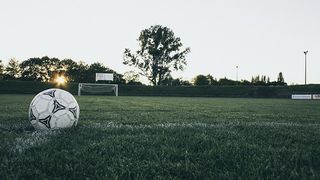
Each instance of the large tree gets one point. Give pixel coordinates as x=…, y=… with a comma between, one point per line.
x=160, y=53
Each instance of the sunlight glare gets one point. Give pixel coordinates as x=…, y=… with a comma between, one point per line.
x=61, y=80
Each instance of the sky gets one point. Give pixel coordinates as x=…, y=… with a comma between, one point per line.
x=261, y=37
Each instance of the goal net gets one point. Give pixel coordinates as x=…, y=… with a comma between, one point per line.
x=97, y=89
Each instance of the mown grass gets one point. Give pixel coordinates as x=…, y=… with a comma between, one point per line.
x=165, y=137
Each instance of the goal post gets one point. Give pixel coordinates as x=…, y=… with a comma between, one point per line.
x=97, y=89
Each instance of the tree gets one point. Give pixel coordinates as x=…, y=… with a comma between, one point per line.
x=280, y=79
x=12, y=71
x=32, y=69
x=264, y=79
x=79, y=72
x=160, y=53
x=50, y=67
x=66, y=67
x=212, y=81
x=260, y=81
x=132, y=78
x=201, y=80
x=67, y=64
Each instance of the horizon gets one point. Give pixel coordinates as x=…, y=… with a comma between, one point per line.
x=261, y=38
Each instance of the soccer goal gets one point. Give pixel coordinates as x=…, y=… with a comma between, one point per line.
x=97, y=89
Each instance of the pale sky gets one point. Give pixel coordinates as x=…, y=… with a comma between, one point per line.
x=262, y=37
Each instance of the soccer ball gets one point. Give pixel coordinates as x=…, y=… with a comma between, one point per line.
x=53, y=109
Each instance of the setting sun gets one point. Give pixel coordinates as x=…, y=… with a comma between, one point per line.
x=60, y=80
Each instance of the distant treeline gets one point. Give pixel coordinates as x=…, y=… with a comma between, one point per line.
x=45, y=69
x=256, y=80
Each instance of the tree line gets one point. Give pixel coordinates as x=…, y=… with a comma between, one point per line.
x=45, y=69
x=255, y=80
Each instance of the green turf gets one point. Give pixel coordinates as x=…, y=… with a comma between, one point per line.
x=165, y=137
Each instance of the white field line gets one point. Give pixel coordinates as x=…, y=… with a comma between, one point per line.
x=114, y=125
x=34, y=139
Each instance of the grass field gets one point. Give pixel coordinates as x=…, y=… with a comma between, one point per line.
x=165, y=137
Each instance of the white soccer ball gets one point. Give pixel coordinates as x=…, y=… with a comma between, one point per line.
x=53, y=109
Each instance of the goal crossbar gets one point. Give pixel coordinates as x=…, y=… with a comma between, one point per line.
x=97, y=88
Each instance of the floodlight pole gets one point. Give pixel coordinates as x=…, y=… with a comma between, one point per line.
x=305, y=67
x=237, y=73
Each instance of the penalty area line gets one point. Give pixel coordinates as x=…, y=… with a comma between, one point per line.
x=34, y=139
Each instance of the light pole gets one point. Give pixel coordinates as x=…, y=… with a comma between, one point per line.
x=305, y=67
x=237, y=73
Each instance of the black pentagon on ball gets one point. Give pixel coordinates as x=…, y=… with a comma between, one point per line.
x=46, y=121
x=57, y=106
x=50, y=93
